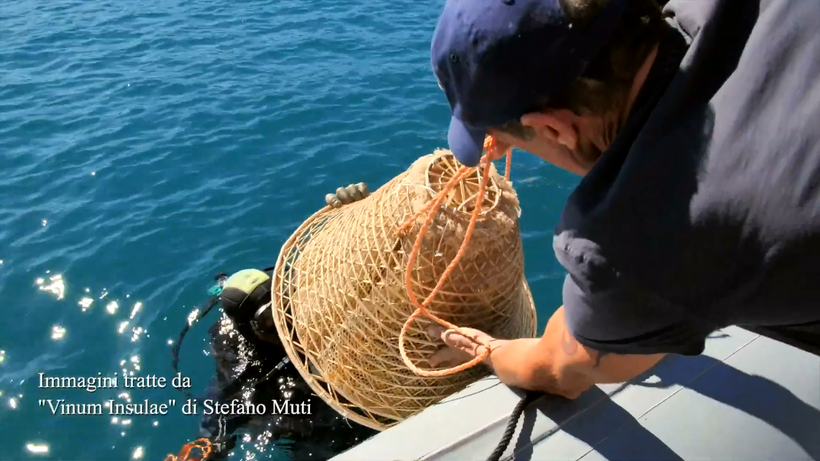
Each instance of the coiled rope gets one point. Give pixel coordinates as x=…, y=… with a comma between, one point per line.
x=203, y=449
x=529, y=397
x=432, y=208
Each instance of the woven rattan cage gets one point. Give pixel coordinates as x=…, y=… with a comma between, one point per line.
x=340, y=301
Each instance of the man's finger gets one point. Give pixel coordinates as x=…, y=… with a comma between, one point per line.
x=451, y=338
x=343, y=195
x=462, y=343
x=455, y=339
x=354, y=192
x=448, y=356
x=363, y=188
x=458, y=341
x=333, y=201
x=435, y=332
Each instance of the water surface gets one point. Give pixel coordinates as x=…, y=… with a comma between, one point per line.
x=147, y=146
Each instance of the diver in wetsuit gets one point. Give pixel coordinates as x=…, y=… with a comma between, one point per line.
x=252, y=366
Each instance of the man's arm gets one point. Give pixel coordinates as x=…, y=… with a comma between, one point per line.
x=558, y=363
x=608, y=331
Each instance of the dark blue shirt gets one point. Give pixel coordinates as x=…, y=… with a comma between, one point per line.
x=705, y=211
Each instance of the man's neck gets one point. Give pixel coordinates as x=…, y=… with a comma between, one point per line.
x=640, y=79
x=609, y=126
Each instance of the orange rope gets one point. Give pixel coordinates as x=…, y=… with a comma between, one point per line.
x=431, y=209
x=204, y=446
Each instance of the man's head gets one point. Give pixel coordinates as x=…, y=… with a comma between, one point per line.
x=553, y=77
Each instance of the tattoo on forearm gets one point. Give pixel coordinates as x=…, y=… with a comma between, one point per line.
x=568, y=344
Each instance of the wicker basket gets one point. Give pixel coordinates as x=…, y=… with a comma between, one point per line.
x=340, y=301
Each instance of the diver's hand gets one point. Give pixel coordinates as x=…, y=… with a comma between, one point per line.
x=346, y=195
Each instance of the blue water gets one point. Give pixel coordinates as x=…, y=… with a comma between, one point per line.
x=145, y=146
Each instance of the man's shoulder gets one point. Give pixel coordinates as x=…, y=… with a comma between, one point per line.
x=585, y=260
x=724, y=169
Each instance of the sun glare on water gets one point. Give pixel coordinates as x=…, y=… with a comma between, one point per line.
x=37, y=448
x=125, y=322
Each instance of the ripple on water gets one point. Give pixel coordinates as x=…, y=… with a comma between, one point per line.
x=146, y=146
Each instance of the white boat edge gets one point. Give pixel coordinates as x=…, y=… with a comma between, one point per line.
x=747, y=397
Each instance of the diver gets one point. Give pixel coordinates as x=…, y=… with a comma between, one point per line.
x=253, y=367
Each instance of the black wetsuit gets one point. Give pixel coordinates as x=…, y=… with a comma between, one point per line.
x=243, y=366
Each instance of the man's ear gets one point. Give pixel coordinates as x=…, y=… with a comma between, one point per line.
x=555, y=125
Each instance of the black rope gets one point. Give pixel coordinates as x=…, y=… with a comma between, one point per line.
x=528, y=398
x=175, y=350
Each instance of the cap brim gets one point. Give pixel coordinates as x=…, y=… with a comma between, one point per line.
x=465, y=143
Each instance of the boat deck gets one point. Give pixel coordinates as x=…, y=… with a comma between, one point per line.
x=746, y=398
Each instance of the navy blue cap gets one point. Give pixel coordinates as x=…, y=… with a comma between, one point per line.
x=499, y=59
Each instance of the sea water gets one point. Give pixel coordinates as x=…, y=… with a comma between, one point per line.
x=146, y=146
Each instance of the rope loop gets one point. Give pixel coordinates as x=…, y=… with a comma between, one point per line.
x=491, y=146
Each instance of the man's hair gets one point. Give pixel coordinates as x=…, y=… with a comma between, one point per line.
x=607, y=80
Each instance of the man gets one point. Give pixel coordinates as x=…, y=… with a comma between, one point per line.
x=695, y=129
x=252, y=367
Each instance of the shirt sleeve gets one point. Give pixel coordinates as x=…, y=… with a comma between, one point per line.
x=622, y=320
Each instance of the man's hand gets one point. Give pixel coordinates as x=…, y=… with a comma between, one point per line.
x=555, y=363
x=459, y=349
x=507, y=359
x=346, y=195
